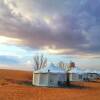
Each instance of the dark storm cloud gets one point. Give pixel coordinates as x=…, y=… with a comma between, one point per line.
x=77, y=23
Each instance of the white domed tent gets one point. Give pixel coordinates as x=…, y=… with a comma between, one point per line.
x=49, y=76
x=76, y=74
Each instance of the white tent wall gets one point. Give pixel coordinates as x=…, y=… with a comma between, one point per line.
x=44, y=78
x=53, y=80
x=36, y=78
x=76, y=74
x=48, y=79
x=76, y=77
x=49, y=76
x=62, y=77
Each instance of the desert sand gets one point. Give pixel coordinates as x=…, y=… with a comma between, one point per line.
x=16, y=85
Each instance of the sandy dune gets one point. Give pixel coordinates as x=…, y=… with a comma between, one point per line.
x=10, y=89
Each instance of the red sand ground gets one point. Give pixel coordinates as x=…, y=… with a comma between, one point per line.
x=11, y=90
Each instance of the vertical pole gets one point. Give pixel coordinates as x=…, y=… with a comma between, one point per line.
x=48, y=78
x=68, y=78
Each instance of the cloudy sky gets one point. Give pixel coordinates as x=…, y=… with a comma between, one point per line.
x=60, y=29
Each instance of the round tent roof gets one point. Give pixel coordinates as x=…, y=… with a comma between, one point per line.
x=88, y=71
x=96, y=71
x=76, y=70
x=51, y=68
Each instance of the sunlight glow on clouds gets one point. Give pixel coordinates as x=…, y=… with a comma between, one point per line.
x=54, y=50
x=52, y=27
x=8, y=40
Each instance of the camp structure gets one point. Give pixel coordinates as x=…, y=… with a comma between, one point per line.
x=90, y=75
x=49, y=76
x=76, y=74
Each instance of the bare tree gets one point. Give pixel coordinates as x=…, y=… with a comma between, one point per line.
x=39, y=61
x=70, y=66
x=67, y=68
x=62, y=65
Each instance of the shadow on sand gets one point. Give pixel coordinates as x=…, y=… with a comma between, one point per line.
x=20, y=82
x=72, y=85
x=95, y=81
x=77, y=86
